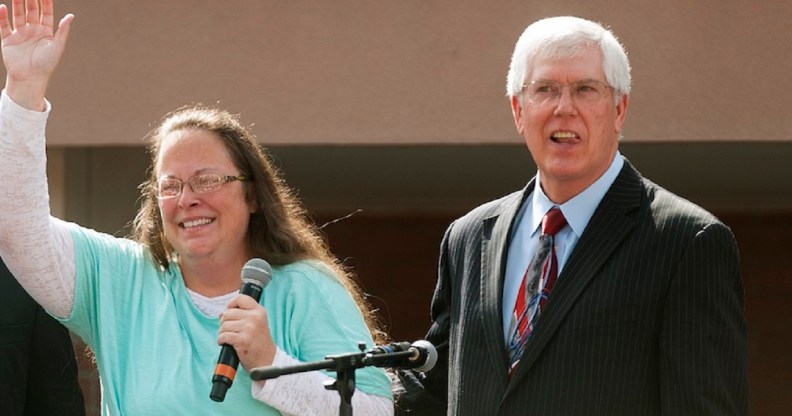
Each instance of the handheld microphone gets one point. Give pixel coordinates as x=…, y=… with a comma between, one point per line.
x=256, y=274
x=420, y=355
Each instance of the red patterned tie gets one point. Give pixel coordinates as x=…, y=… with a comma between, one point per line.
x=543, y=271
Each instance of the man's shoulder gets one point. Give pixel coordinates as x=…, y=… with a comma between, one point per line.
x=493, y=208
x=661, y=202
x=673, y=211
x=474, y=220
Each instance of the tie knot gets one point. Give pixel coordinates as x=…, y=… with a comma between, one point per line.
x=553, y=221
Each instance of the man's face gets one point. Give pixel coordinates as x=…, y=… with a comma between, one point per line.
x=574, y=137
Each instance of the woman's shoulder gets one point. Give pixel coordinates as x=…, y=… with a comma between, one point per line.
x=99, y=239
x=308, y=279
x=94, y=247
x=313, y=271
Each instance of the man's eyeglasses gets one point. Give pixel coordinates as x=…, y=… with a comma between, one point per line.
x=200, y=184
x=544, y=92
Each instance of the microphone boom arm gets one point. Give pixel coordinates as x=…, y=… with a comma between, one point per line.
x=344, y=365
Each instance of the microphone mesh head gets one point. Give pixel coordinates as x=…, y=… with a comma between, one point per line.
x=257, y=271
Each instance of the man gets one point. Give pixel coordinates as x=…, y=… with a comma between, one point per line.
x=38, y=371
x=634, y=306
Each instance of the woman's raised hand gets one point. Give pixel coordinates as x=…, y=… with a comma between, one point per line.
x=32, y=48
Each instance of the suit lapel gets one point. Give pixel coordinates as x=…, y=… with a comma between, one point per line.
x=496, y=231
x=609, y=225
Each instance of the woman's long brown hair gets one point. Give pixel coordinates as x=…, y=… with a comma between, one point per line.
x=280, y=230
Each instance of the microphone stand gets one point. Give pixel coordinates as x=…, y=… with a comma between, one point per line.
x=344, y=365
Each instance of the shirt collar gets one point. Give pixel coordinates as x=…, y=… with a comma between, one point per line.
x=581, y=207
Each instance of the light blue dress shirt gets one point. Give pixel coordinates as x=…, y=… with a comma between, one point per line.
x=525, y=237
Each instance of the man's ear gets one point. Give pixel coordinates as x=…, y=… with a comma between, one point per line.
x=516, y=105
x=621, y=112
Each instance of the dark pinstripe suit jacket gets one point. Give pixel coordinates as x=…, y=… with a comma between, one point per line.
x=646, y=317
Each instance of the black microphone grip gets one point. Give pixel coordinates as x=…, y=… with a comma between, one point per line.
x=255, y=275
x=390, y=355
x=420, y=355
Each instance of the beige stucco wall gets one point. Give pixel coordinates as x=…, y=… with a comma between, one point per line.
x=408, y=71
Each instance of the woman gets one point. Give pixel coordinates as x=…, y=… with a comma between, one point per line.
x=149, y=307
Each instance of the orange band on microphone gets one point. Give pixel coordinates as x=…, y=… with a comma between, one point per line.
x=225, y=370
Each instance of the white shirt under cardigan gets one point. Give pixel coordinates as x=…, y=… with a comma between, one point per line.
x=39, y=251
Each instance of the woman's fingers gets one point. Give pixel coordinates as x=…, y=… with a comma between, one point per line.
x=32, y=17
